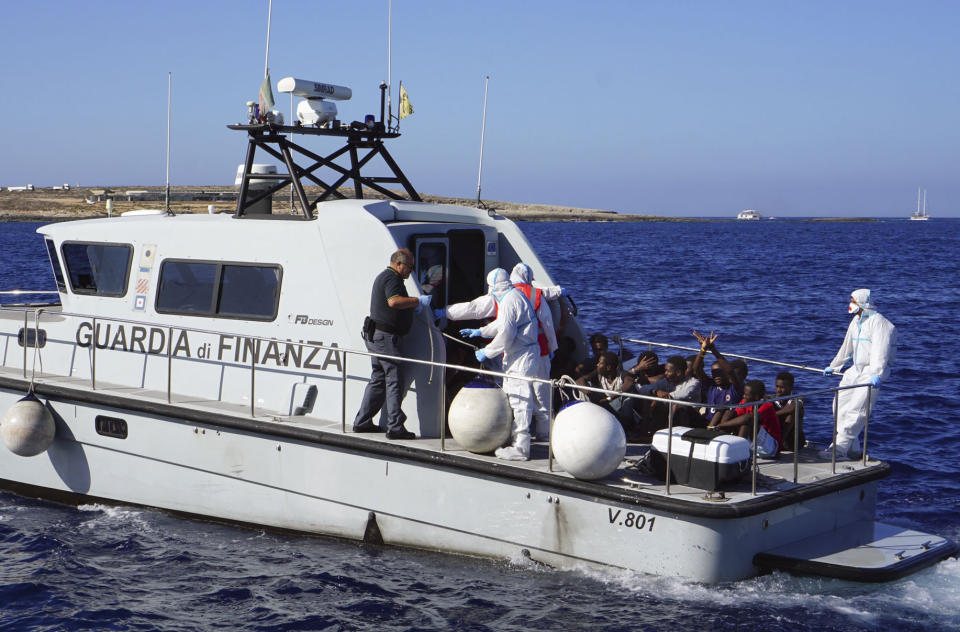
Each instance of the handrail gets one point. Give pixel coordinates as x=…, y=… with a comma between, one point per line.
x=732, y=355
x=19, y=292
x=799, y=397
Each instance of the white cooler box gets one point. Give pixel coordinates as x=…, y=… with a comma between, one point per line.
x=704, y=463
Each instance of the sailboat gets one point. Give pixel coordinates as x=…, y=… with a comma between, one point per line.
x=921, y=214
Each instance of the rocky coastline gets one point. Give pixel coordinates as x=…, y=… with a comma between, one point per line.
x=52, y=205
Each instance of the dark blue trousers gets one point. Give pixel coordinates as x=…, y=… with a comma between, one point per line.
x=383, y=390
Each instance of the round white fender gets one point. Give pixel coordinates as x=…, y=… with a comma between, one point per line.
x=480, y=417
x=588, y=441
x=28, y=427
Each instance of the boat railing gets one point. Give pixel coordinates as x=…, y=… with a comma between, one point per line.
x=32, y=342
x=651, y=344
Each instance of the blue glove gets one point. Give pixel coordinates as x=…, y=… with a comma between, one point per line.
x=470, y=333
x=439, y=313
x=874, y=380
x=424, y=302
x=564, y=292
x=828, y=370
x=481, y=356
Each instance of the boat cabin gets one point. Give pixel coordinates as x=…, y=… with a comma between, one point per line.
x=140, y=288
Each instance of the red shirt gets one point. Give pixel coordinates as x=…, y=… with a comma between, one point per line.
x=768, y=418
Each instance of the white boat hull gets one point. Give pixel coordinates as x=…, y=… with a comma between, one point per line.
x=345, y=486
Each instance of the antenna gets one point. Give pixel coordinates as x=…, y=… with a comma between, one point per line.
x=483, y=127
x=266, y=61
x=389, y=50
x=166, y=203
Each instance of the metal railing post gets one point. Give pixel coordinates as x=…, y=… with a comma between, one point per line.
x=25, y=343
x=550, y=429
x=169, y=363
x=93, y=358
x=797, y=405
x=836, y=414
x=443, y=409
x=253, y=379
x=343, y=396
x=866, y=423
x=753, y=474
x=669, y=442
x=36, y=346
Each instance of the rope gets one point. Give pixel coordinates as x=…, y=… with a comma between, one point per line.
x=463, y=342
x=430, y=328
x=566, y=394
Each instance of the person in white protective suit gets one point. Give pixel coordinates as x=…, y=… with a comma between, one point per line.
x=486, y=307
x=522, y=279
x=514, y=334
x=870, y=345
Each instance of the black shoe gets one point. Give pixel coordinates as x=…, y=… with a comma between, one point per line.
x=367, y=427
x=400, y=434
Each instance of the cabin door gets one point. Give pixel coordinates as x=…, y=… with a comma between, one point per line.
x=451, y=267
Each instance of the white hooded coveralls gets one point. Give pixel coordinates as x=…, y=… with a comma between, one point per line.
x=514, y=334
x=522, y=275
x=870, y=344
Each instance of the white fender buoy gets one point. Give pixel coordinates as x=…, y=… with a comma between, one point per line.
x=480, y=417
x=28, y=427
x=588, y=441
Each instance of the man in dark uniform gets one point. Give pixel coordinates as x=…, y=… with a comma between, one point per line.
x=391, y=311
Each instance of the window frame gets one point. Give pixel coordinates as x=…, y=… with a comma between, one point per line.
x=85, y=292
x=58, y=273
x=218, y=289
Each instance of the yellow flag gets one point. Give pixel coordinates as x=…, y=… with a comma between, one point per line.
x=405, y=108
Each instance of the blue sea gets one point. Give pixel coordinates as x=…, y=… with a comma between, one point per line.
x=772, y=289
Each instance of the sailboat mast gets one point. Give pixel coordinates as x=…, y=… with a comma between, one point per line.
x=924, y=202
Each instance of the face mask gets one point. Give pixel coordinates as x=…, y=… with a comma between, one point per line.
x=853, y=308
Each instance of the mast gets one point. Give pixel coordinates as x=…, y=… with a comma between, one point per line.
x=166, y=197
x=389, y=49
x=483, y=127
x=924, y=202
x=918, y=201
x=266, y=61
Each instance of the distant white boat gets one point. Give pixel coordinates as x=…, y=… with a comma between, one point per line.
x=920, y=214
x=749, y=214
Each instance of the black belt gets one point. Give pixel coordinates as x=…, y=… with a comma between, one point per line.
x=386, y=328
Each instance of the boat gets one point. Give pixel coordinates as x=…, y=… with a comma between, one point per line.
x=208, y=365
x=920, y=215
x=749, y=214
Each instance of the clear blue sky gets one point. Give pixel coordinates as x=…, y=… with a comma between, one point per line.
x=838, y=108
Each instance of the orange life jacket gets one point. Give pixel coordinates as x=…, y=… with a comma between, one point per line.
x=541, y=336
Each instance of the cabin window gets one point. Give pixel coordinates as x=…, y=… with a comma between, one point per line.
x=431, y=258
x=55, y=263
x=249, y=291
x=100, y=269
x=187, y=287
x=219, y=290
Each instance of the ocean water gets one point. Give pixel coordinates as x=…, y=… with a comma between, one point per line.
x=772, y=289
